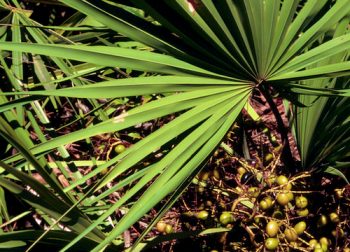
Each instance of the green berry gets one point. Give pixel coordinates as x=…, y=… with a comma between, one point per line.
x=253, y=191
x=282, y=180
x=282, y=199
x=290, y=196
x=203, y=215
x=169, y=229
x=291, y=234
x=301, y=202
x=300, y=227
x=266, y=203
x=322, y=221
x=334, y=217
x=303, y=212
x=119, y=148
x=271, y=243
x=268, y=157
x=313, y=243
x=324, y=241
x=272, y=228
x=226, y=218
x=319, y=248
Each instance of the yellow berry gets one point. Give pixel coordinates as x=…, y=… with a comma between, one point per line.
x=161, y=226
x=226, y=218
x=203, y=215
x=204, y=176
x=324, y=240
x=300, y=227
x=338, y=193
x=313, y=243
x=291, y=234
x=334, y=217
x=216, y=174
x=301, y=202
x=169, y=229
x=303, y=212
x=119, y=148
x=266, y=203
x=268, y=157
x=290, y=196
x=253, y=191
x=104, y=171
x=282, y=199
x=282, y=180
x=322, y=221
x=271, y=243
x=241, y=170
x=272, y=228
x=338, y=233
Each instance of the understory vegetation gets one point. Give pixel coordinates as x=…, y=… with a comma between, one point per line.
x=175, y=125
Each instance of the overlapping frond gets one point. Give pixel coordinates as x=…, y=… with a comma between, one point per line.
x=207, y=56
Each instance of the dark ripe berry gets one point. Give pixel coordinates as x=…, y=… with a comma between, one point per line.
x=247, y=178
x=277, y=215
x=271, y=243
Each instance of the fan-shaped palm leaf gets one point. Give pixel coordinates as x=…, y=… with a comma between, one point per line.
x=211, y=55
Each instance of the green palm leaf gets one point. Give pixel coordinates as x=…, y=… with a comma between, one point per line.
x=208, y=62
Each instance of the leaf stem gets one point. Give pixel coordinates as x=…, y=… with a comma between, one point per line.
x=287, y=156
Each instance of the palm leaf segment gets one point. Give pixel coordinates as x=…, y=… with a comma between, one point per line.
x=212, y=54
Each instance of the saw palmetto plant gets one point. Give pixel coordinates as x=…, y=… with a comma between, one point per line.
x=203, y=59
